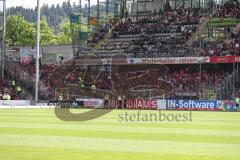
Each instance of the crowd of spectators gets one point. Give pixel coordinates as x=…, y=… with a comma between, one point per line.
x=148, y=82
x=85, y=79
x=120, y=82
x=153, y=34
x=229, y=9
x=158, y=23
x=223, y=48
x=8, y=90
x=24, y=74
x=142, y=83
x=185, y=80
x=165, y=33
x=103, y=30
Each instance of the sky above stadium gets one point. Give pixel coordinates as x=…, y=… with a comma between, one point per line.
x=33, y=3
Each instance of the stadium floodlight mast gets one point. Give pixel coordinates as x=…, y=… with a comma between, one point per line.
x=3, y=39
x=38, y=51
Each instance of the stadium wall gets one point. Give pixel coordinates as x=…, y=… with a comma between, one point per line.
x=131, y=104
x=49, y=54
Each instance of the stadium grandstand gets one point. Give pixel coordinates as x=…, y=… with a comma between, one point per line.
x=151, y=49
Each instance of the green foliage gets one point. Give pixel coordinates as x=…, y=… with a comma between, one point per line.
x=19, y=32
x=47, y=35
x=64, y=36
x=22, y=32
x=56, y=14
x=55, y=26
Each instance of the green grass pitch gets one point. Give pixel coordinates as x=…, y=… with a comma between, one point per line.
x=34, y=134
